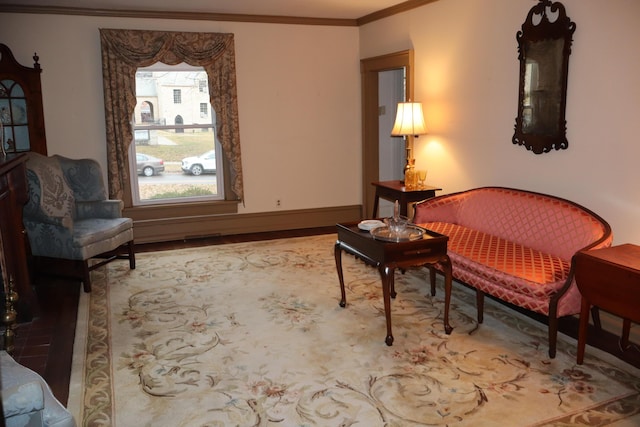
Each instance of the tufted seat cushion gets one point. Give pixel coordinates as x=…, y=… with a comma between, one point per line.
x=96, y=236
x=517, y=267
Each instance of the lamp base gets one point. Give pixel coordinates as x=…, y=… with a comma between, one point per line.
x=411, y=176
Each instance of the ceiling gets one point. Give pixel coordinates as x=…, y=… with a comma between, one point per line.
x=335, y=9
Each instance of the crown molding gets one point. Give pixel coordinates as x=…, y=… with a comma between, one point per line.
x=393, y=10
x=158, y=14
x=202, y=16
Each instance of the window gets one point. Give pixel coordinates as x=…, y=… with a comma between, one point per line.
x=175, y=153
x=124, y=52
x=177, y=96
x=202, y=86
x=146, y=112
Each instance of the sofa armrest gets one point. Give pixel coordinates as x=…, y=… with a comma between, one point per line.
x=439, y=209
x=604, y=242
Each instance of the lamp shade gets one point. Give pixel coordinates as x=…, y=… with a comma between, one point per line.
x=409, y=120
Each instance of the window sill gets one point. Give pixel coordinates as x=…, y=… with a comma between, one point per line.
x=173, y=210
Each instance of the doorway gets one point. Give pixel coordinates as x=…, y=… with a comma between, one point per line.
x=392, y=154
x=374, y=72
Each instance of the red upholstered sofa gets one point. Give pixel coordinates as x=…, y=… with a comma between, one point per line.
x=516, y=245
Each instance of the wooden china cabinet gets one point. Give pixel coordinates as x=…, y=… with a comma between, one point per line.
x=21, y=131
x=21, y=109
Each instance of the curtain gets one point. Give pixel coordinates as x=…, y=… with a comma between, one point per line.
x=124, y=51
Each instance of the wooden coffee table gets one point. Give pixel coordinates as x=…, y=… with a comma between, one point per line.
x=387, y=256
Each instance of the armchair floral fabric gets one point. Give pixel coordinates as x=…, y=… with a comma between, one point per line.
x=68, y=215
x=50, y=198
x=27, y=400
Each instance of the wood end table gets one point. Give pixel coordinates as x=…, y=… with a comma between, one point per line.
x=387, y=256
x=608, y=278
x=395, y=190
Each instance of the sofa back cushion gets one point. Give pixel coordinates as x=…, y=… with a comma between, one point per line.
x=545, y=223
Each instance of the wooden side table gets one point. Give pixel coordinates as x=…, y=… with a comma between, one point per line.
x=395, y=190
x=609, y=278
x=431, y=248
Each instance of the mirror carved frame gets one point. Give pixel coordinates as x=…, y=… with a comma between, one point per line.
x=544, y=46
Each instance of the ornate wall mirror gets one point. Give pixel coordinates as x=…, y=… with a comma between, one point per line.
x=544, y=46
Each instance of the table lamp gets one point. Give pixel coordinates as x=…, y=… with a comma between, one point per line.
x=409, y=124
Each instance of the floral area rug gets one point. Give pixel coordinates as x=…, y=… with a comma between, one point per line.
x=252, y=334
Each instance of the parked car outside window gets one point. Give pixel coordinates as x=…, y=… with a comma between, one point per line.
x=197, y=165
x=148, y=165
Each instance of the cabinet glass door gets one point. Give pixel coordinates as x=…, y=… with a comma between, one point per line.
x=13, y=116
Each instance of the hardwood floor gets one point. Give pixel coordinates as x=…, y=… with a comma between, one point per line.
x=46, y=343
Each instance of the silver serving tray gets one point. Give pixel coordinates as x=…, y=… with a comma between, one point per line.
x=410, y=232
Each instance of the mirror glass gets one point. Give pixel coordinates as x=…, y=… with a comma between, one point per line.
x=544, y=44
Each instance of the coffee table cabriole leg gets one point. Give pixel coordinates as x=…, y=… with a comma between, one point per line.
x=386, y=274
x=338, y=256
x=392, y=288
x=446, y=265
x=432, y=279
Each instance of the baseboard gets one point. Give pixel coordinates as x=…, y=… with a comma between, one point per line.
x=200, y=226
x=613, y=324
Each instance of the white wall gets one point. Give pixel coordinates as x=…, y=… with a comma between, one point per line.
x=467, y=77
x=298, y=90
x=299, y=100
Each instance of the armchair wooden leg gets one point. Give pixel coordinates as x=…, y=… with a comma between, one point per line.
x=132, y=256
x=480, y=305
x=86, y=276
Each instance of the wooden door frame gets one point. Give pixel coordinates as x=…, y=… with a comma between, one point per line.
x=369, y=69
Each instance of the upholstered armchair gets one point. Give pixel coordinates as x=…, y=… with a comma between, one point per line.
x=69, y=217
x=27, y=400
